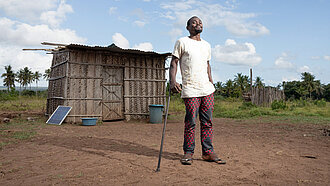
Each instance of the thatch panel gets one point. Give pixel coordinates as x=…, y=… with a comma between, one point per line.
x=143, y=101
x=127, y=91
x=91, y=71
x=98, y=57
x=75, y=70
x=90, y=94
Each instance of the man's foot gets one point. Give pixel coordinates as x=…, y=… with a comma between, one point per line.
x=187, y=159
x=213, y=158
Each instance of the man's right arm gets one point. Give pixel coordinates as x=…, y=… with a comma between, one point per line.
x=175, y=87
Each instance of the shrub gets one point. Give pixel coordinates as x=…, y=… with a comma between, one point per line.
x=28, y=93
x=278, y=105
x=247, y=105
x=5, y=96
x=320, y=103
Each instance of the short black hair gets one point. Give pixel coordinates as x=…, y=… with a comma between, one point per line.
x=188, y=22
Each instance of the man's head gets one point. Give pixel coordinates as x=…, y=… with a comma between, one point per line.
x=194, y=25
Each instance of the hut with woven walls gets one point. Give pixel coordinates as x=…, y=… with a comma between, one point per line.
x=108, y=83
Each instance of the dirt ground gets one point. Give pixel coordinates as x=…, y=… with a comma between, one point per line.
x=126, y=153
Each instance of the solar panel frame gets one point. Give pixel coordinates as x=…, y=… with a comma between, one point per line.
x=60, y=114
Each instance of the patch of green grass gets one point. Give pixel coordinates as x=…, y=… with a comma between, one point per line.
x=290, y=119
x=24, y=103
x=19, y=129
x=177, y=104
x=295, y=111
x=23, y=135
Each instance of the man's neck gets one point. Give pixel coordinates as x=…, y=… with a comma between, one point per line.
x=196, y=37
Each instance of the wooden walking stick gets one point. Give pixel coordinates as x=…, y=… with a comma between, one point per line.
x=164, y=127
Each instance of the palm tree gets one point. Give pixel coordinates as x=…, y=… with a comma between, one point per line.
x=36, y=77
x=229, y=88
x=219, y=87
x=47, y=74
x=318, y=88
x=258, y=82
x=9, y=77
x=242, y=82
x=308, y=82
x=19, y=78
x=26, y=77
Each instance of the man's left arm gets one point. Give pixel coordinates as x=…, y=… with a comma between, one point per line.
x=209, y=71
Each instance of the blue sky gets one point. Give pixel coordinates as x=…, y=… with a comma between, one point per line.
x=278, y=39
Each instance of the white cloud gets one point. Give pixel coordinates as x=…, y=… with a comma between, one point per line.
x=54, y=18
x=112, y=10
x=120, y=41
x=290, y=78
x=17, y=58
x=144, y=46
x=246, y=29
x=283, y=62
x=215, y=15
x=236, y=54
x=30, y=23
x=139, y=23
x=27, y=10
x=146, y=0
x=50, y=12
x=22, y=34
x=303, y=69
x=327, y=58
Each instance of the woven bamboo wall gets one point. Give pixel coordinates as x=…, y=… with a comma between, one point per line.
x=144, y=85
x=57, y=81
x=84, y=92
x=106, y=85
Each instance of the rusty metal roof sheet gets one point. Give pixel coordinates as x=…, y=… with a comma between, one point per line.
x=114, y=48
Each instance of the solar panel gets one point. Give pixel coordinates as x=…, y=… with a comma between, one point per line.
x=59, y=115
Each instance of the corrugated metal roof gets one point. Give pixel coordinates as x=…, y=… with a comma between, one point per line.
x=113, y=48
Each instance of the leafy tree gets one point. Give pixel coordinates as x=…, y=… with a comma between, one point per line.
x=19, y=78
x=258, y=82
x=326, y=92
x=36, y=77
x=229, y=88
x=293, y=89
x=25, y=77
x=9, y=77
x=308, y=82
x=319, y=89
x=219, y=87
x=47, y=74
x=242, y=82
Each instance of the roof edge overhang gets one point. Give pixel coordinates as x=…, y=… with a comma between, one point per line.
x=114, y=48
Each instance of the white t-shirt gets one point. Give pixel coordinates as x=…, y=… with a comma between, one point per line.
x=193, y=56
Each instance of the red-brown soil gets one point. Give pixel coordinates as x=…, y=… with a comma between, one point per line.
x=126, y=153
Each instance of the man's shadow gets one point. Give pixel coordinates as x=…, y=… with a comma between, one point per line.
x=95, y=145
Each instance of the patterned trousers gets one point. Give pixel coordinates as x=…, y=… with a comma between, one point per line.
x=204, y=107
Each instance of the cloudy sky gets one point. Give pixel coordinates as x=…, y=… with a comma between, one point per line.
x=278, y=39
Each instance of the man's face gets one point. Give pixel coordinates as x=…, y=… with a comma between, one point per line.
x=196, y=26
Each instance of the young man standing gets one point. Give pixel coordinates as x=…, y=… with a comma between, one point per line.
x=194, y=54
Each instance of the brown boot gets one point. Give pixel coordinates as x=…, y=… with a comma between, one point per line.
x=187, y=159
x=213, y=158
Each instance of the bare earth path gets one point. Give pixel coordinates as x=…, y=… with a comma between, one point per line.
x=126, y=153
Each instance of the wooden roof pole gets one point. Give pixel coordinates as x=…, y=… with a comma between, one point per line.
x=54, y=44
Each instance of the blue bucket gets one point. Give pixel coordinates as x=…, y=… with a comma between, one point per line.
x=89, y=121
x=156, y=113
